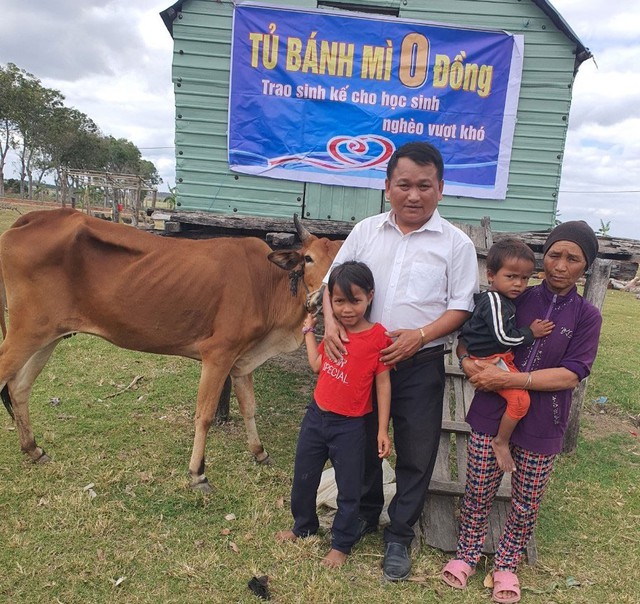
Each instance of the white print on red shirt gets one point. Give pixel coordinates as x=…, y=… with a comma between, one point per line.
x=335, y=370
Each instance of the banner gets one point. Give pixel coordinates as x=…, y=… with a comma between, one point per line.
x=326, y=97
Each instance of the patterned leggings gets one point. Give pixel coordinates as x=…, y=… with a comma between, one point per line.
x=528, y=484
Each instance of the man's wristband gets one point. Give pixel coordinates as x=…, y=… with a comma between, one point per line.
x=462, y=358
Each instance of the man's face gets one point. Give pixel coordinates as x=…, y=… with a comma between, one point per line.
x=413, y=192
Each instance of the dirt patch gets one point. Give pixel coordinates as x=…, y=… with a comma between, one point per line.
x=600, y=423
x=295, y=361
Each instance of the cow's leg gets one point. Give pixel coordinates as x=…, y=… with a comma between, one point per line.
x=211, y=382
x=243, y=387
x=19, y=391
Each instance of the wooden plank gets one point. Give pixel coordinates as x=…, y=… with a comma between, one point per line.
x=452, y=488
x=461, y=457
x=438, y=526
x=463, y=429
x=446, y=400
x=458, y=388
x=238, y=224
x=456, y=427
x=453, y=370
x=442, y=467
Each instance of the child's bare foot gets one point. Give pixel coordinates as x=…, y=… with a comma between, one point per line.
x=334, y=559
x=503, y=456
x=286, y=536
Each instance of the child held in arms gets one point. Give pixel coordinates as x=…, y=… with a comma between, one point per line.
x=491, y=332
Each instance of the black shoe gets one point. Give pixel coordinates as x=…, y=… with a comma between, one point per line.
x=365, y=527
x=397, y=564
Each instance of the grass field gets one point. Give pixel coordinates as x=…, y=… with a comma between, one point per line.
x=111, y=519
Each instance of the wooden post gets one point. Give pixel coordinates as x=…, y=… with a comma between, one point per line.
x=85, y=196
x=63, y=188
x=482, y=237
x=136, y=204
x=115, y=206
x=595, y=291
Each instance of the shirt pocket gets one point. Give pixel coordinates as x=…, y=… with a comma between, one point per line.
x=425, y=283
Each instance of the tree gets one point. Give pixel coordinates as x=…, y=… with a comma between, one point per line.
x=11, y=78
x=604, y=229
x=149, y=172
x=124, y=156
x=69, y=139
x=31, y=111
x=49, y=137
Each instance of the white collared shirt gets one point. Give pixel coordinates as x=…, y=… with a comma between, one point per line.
x=418, y=276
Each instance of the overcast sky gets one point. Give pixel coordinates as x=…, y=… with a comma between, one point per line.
x=111, y=59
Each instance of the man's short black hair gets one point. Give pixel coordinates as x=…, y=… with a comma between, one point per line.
x=421, y=153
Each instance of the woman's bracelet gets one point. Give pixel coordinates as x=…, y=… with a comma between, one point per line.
x=462, y=358
x=306, y=330
x=527, y=384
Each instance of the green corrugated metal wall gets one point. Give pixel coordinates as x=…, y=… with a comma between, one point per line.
x=202, y=46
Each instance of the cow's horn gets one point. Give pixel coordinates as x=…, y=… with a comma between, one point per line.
x=302, y=232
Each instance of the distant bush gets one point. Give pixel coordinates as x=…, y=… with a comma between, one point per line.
x=12, y=185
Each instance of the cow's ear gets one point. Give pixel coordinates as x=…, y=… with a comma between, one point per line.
x=286, y=259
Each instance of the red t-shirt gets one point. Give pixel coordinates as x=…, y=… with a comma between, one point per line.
x=346, y=387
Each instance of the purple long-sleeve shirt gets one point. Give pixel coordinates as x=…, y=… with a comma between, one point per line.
x=572, y=344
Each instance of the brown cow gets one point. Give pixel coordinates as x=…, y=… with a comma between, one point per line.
x=221, y=301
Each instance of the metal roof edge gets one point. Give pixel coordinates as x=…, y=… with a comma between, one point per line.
x=582, y=52
x=168, y=15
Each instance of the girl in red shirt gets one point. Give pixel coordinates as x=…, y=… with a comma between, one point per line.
x=333, y=425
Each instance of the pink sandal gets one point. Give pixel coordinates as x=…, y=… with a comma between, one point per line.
x=505, y=581
x=460, y=570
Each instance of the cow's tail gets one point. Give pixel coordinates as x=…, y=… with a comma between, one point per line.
x=6, y=399
x=3, y=305
x=4, y=393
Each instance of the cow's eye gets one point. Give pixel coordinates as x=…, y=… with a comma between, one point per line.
x=308, y=259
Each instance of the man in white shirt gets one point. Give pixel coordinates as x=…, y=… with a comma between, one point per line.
x=426, y=273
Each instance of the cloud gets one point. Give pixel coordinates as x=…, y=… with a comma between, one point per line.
x=601, y=167
x=110, y=59
x=68, y=40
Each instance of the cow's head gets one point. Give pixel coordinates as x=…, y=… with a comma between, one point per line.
x=310, y=264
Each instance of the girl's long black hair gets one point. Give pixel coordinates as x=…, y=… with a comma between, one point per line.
x=352, y=273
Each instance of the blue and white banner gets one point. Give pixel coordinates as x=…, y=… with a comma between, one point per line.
x=326, y=97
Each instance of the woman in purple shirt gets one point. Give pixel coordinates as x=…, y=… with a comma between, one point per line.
x=551, y=368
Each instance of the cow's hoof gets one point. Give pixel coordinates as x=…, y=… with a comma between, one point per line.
x=203, y=487
x=44, y=458
x=265, y=461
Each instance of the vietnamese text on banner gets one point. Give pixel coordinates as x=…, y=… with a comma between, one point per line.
x=326, y=97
